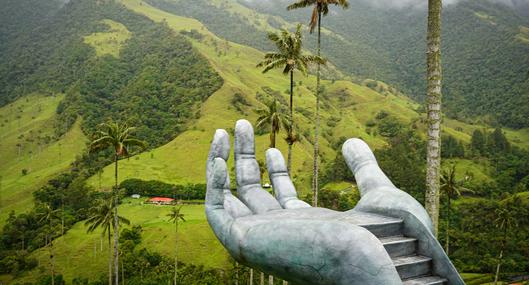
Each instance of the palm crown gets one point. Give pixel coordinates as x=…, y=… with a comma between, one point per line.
x=272, y=118
x=320, y=6
x=452, y=186
x=175, y=215
x=102, y=215
x=289, y=55
x=118, y=136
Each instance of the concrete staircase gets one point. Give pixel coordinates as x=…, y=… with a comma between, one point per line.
x=413, y=268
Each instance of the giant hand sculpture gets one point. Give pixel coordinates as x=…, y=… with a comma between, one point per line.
x=386, y=239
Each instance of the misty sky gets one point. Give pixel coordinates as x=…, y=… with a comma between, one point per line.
x=416, y=3
x=408, y=3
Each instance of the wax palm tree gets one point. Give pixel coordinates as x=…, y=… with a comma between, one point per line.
x=47, y=214
x=452, y=188
x=101, y=215
x=321, y=8
x=289, y=57
x=176, y=216
x=505, y=221
x=291, y=139
x=434, y=77
x=119, y=138
x=271, y=117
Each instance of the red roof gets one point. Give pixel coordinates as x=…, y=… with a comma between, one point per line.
x=161, y=199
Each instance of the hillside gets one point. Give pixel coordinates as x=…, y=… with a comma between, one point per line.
x=354, y=104
x=85, y=255
x=30, y=152
x=386, y=42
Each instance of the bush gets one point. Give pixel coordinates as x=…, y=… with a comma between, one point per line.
x=158, y=188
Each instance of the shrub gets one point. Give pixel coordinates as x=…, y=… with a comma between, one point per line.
x=159, y=188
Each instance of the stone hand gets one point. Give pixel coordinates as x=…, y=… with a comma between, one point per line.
x=285, y=236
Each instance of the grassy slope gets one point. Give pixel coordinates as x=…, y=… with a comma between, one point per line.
x=86, y=255
x=32, y=117
x=182, y=160
x=110, y=41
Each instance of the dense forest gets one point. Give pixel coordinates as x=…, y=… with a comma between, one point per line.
x=146, y=85
x=388, y=44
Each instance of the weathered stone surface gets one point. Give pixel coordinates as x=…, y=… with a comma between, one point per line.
x=387, y=238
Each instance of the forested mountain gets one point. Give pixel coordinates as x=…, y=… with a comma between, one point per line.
x=486, y=48
x=148, y=75
x=19, y=17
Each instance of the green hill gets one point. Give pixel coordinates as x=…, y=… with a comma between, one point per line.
x=482, y=78
x=86, y=255
x=347, y=109
x=30, y=154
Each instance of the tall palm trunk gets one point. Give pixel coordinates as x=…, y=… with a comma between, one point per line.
x=500, y=257
x=317, y=128
x=109, y=256
x=116, y=223
x=434, y=77
x=270, y=279
x=251, y=276
x=176, y=253
x=447, y=246
x=52, y=263
x=498, y=268
x=272, y=138
x=291, y=130
x=261, y=281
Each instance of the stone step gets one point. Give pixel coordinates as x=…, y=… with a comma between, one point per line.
x=412, y=266
x=384, y=228
x=399, y=245
x=425, y=280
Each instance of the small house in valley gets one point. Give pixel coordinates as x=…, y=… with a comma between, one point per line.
x=160, y=201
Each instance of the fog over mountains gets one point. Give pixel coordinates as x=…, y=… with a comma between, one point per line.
x=521, y=5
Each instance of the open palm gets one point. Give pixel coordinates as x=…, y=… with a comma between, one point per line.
x=285, y=236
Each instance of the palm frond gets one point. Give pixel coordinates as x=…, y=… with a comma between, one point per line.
x=301, y=4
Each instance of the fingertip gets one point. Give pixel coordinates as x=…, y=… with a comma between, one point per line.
x=221, y=144
x=275, y=161
x=220, y=147
x=356, y=152
x=244, y=138
x=219, y=174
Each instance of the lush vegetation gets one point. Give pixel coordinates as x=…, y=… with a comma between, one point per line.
x=388, y=44
x=165, y=77
x=158, y=188
x=154, y=79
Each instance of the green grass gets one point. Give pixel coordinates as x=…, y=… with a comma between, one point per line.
x=110, y=41
x=86, y=255
x=26, y=123
x=477, y=278
x=480, y=171
x=523, y=36
x=485, y=17
x=463, y=132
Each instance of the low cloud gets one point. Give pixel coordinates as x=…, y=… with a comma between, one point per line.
x=403, y=3
x=423, y=3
